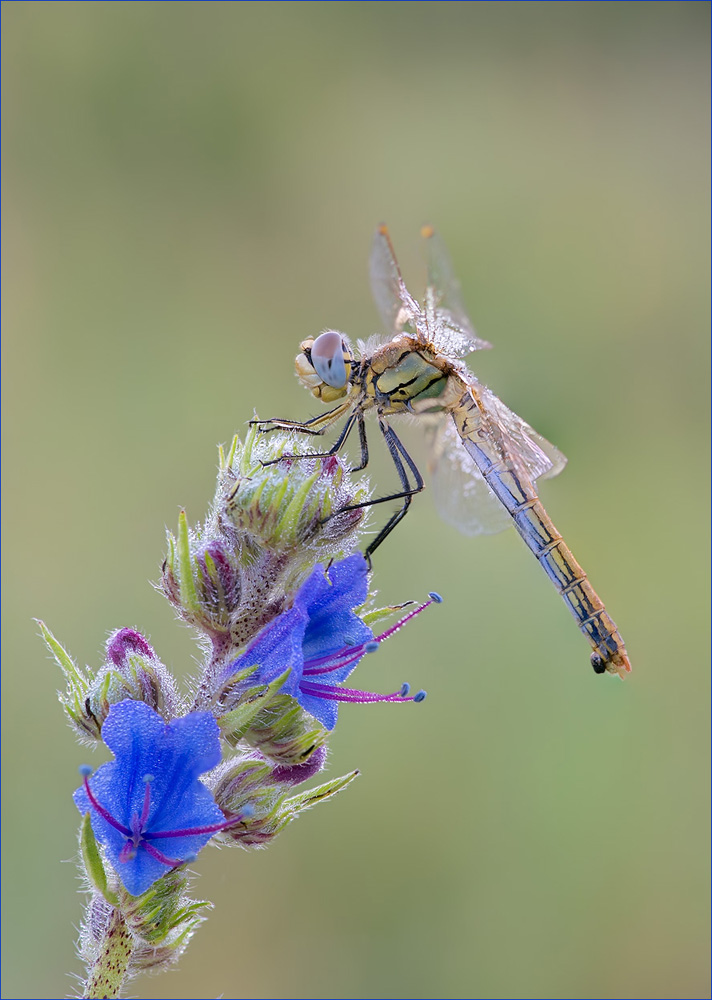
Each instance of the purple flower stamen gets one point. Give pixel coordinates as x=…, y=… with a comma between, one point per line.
x=320, y=640
x=351, y=694
x=103, y=812
x=352, y=654
x=139, y=836
x=153, y=783
x=159, y=855
x=327, y=664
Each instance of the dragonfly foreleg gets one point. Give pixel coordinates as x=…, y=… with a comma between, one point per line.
x=316, y=425
x=347, y=428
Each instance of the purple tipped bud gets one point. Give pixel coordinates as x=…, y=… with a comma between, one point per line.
x=405, y=690
x=252, y=793
x=133, y=672
x=218, y=584
x=420, y=696
x=85, y=770
x=301, y=772
x=434, y=596
x=124, y=642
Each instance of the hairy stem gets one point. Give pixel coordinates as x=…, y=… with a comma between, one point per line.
x=106, y=975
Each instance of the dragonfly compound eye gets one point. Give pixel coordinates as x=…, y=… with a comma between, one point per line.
x=329, y=356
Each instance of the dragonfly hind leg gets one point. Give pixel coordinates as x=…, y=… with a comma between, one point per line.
x=401, y=459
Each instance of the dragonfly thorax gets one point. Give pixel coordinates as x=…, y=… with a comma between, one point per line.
x=325, y=364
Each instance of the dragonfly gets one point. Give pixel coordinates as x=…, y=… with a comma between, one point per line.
x=484, y=460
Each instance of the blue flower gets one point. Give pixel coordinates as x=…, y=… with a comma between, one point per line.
x=150, y=794
x=321, y=640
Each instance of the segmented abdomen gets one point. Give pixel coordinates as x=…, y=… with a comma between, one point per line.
x=517, y=494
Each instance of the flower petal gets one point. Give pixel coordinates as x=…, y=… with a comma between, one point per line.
x=325, y=712
x=277, y=647
x=173, y=754
x=332, y=622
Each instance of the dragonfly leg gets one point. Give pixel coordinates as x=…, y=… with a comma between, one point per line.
x=395, y=446
x=363, y=443
x=398, y=455
x=347, y=428
x=316, y=425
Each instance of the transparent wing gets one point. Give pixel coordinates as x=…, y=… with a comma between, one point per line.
x=449, y=326
x=462, y=497
x=524, y=446
x=396, y=305
x=461, y=494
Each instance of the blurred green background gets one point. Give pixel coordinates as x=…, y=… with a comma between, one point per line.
x=190, y=190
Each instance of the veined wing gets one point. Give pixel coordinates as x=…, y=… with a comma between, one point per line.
x=524, y=446
x=462, y=497
x=448, y=326
x=395, y=304
x=461, y=494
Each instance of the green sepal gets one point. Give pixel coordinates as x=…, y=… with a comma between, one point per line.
x=250, y=783
x=186, y=583
x=226, y=463
x=235, y=723
x=69, y=668
x=285, y=732
x=78, y=687
x=171, y=554
x=93, y=864
x=294, y=513
x=163, y=917
x=296, y=804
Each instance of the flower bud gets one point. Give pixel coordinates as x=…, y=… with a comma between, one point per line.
x=202, y=579
x=133, y=672
x=285, y=733
x=287, y=503
x=272, y=518
x=163, y=914
x=251, y=788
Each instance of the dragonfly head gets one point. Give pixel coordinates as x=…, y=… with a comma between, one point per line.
x=324, y=365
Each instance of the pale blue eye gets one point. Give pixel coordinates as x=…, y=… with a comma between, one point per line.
x=327, y=357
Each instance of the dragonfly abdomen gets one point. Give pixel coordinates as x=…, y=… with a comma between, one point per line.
x=516, y=493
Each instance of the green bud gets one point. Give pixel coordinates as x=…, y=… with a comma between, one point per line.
x=251, y=789
x=285, y=503
x=162, y=920
x=273, y=517
x=132, y=671
x=235, y=723
x=285, y=733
